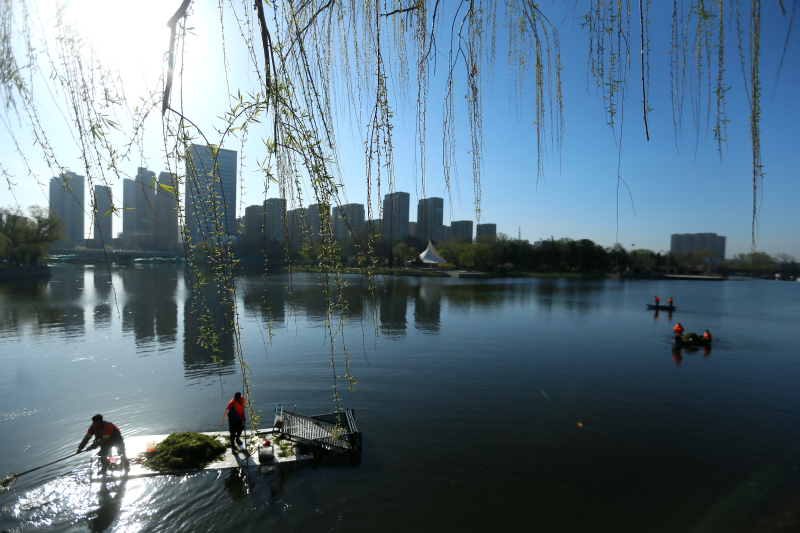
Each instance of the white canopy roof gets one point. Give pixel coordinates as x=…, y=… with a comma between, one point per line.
x=430, y=255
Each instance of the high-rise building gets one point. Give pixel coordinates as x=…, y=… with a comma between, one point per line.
x=297, y=227
x=67, y=200
x=486, y=230
x=166, y=224
x=263, y=224
x=461, y=230
x=374, y=227
x=347, y=219
x=447, y=233
x=412, y=229
x=138, y=218
x=430, y=219
x=210, y=194
x=103, y=218
x=318, y=219
x=396, y=207
x=687, y=243
x=274, y=213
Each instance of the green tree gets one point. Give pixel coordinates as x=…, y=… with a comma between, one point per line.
x=27, y=239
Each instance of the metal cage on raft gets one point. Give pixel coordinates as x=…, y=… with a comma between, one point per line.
x=333, y=431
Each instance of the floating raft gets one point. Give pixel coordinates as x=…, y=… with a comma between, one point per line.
x=331, y=432
x=241, y=458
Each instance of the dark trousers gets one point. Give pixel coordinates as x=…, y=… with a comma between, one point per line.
x=236, y=427
x=105, y=449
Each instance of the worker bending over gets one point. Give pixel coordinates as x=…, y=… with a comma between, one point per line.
x=106, y=436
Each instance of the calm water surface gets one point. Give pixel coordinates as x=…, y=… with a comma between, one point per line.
x=485, y=405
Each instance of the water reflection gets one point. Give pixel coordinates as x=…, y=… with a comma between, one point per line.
x=210, y=324
x=110, y=497
x=393, y=309
x=43, y=308
x=428, y=306
x=103, y=298
x=150, y=310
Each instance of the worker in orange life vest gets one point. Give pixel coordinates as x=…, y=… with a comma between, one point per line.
x=657, y=300
x=678, y=331
x=707, y=336
x=106, y=436
x=236, y=418
x=669, y=302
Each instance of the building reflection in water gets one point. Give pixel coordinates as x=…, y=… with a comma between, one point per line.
x=263, y=300
x=44, y=308
x=428, y=305
x=103, y=298
x=150, y=311
x=393, y=301
x=214, y=317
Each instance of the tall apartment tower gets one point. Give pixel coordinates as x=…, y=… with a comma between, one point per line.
x=103, y=219
x=687, y=243
x=210, y=193
x=67, y=201
x=430, y=219
x=138, y=218
x=297, y=227
x=166, y=225
x=486, y=230
x=346, y=219
x=263, y=224
x=461, y=230
x=317, y=216
x=396, y=207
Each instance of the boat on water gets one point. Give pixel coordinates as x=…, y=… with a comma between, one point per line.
x=659, y=307
x=697, y=342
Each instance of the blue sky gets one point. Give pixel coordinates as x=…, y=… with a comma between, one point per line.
x=674, y=189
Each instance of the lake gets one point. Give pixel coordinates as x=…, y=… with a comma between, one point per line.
x=485, y=405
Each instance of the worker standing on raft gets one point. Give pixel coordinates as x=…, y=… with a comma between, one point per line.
x=707, y=336
x=657, y=300
x=235, y=411
x=669, y=302
x=678, y=331
x=107, y=436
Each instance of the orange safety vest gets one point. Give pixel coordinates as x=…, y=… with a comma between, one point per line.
x=678, y=329
x=707, y=336
x=104, y=432
x=657, y=299
x=237, y=406
x=669, y=301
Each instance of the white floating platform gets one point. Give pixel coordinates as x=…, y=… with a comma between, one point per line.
x=134, y=446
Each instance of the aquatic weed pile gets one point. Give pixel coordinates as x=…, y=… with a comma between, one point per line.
x=185, y=451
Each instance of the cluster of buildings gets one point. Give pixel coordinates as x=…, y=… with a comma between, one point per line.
x=150, y=205
x=263, y=224
x=150, y=212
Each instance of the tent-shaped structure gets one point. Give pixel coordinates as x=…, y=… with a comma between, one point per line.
x=430, y=255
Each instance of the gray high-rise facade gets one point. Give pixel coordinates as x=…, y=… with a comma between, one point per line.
x=461, y=230
x=346, y=219
x=486, y=230
x=103, y=218
x=166, y=224
x=430, y=219
x=210, y=194
x=687, y=243
x=318, y=218
x=396, y=207
x=66, y=201
x=263, y=224
x=138, y=218
x=297, y=227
